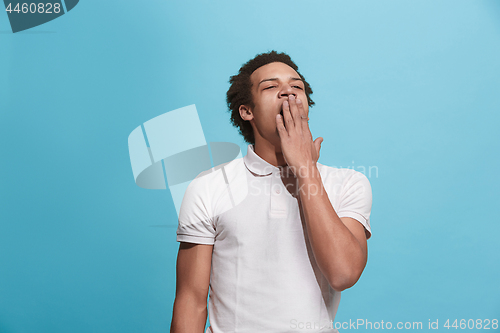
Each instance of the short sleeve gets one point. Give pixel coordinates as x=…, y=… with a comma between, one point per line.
x=195, y=215
x=356, y=200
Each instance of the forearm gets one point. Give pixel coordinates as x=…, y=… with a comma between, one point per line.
x=338, y=253
x=189, y=315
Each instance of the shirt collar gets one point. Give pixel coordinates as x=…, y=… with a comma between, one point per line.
x=256, y=164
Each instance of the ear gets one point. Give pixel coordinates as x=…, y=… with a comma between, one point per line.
x=245, y=112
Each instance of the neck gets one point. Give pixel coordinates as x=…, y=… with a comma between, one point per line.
x=271, y=153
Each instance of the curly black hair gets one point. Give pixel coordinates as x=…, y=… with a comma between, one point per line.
x=239, y=93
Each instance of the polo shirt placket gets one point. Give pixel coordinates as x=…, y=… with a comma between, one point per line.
x=278, y=196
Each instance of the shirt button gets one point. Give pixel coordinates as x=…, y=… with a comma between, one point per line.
x=278, y=191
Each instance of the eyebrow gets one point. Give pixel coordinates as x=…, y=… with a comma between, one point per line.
x=276, y=79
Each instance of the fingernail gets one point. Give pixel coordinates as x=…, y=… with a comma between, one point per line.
x=298, y=101
x=291, y=97
x=285, y=103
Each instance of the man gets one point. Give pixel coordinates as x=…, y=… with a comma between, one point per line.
x=275, y=234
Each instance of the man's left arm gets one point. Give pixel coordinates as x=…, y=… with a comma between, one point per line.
x=339, y=244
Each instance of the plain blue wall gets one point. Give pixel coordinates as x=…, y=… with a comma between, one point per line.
x=408, y=87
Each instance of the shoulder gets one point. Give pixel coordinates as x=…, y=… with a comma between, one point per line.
x=343, y=182
x=212, y=180
x=351, y=192
x=340, y=176
x=215, y=187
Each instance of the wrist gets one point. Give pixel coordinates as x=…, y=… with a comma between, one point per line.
x=308, y=172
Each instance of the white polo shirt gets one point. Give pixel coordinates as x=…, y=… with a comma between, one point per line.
x=264, y=277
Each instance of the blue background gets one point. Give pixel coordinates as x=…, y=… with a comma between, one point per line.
x=410, y=87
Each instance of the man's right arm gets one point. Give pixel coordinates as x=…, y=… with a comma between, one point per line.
x=193, y=280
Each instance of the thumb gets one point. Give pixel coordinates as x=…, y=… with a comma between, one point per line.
x=317, y=144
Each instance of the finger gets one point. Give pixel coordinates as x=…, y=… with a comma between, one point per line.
x=317, y=145
x=288, y=117
x=294, y=111
x=281, y=126
x=304, y=120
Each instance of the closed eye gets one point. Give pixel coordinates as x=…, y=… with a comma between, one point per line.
x=299, y=87
x=269, y=87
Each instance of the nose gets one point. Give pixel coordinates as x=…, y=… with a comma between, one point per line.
x=286, y=91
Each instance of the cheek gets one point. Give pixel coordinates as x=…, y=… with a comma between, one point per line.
x=261, y=104
x=303, y=97
x=267, y=100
